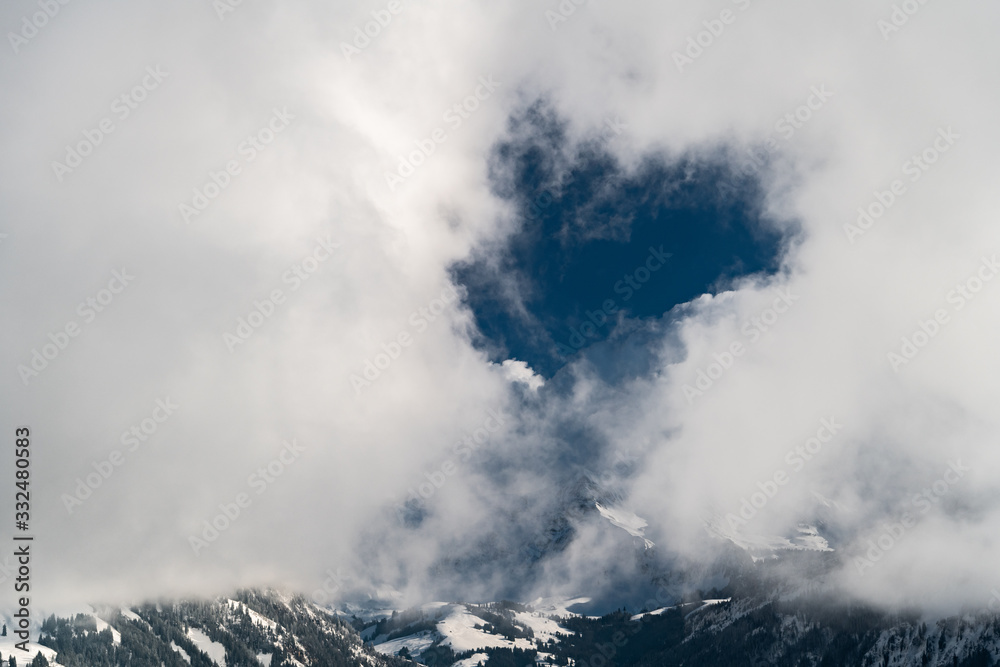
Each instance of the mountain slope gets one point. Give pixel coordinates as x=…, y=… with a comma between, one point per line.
x=254, y=628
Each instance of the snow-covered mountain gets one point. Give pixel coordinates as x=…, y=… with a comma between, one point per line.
x=271, y=629
x=252, y=629
x=712, y=632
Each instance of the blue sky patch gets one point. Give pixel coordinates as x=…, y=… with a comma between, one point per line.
x=599, y=246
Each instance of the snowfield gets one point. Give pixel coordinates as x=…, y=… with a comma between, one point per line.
x=627, y=521
x=215, y=650
x=24, y=657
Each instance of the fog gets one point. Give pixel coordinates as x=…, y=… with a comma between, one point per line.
x=225, y=242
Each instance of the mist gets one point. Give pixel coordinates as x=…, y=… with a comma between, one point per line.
x=228, y=242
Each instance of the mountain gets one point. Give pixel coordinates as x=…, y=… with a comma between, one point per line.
x=267, y=628
x=252, y=629
x=730, y=632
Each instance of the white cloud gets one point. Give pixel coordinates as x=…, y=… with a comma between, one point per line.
x=519, y=371
x=325, y=174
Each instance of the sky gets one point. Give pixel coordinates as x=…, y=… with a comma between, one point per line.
x=274, y=266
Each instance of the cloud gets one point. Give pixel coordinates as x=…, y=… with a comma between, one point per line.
x=416, y=94
x=518, y=371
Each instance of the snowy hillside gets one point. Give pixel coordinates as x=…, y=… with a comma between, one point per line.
x=253, y=628
x=275, y=630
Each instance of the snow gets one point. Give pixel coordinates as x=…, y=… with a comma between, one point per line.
x=559, y=606
x=180, y=650
x=116, y=637
x=655, y=612
x=25, y=657
x=807, y=538
x=415, y=644
x=705, y=604
x=264, y=659
x=215, y=650
x=459, y=630
x=131, y=615
x=699, y=605
x=543, y=626
x=254, y=616
x=473, y=660
x=456, y=628
x=629, y=522
x=719, y=601
x=810, y=538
